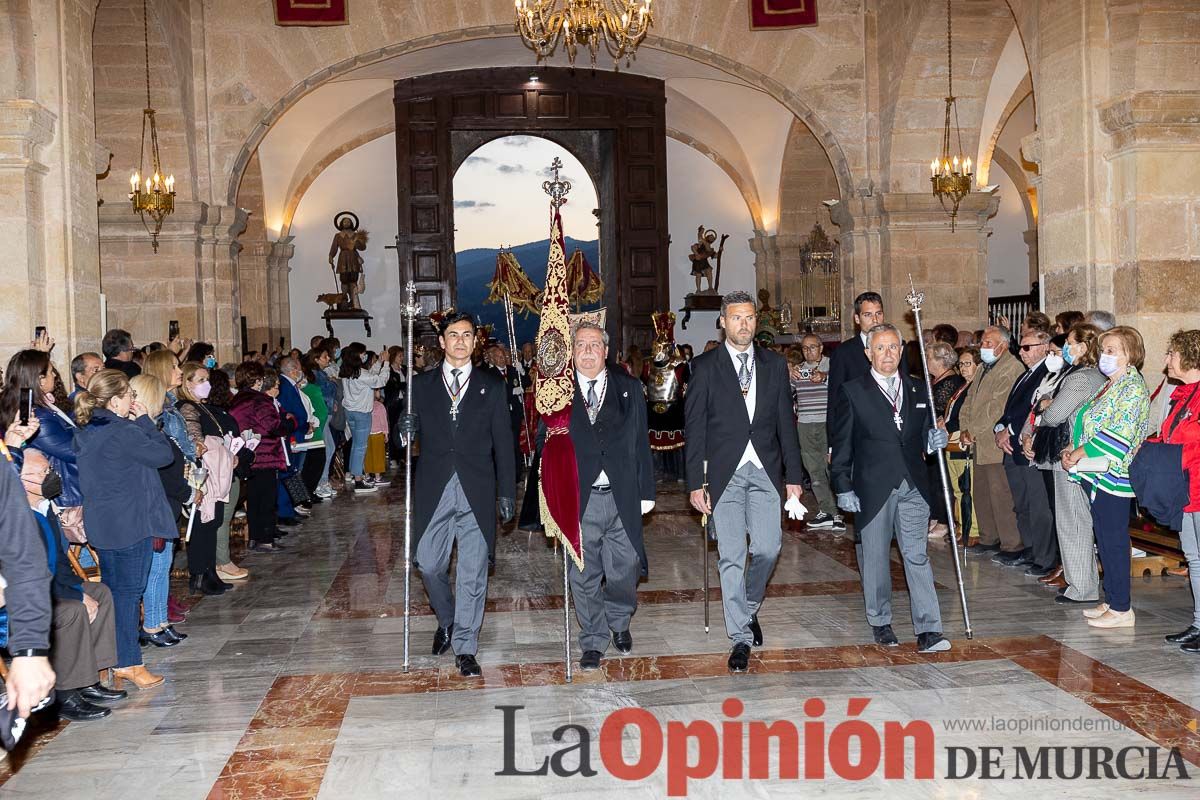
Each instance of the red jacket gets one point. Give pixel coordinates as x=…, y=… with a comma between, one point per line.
x=1182, y=426
x=256, y=411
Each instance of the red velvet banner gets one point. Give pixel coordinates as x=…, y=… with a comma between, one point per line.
x=780, y=14
x=311, y=12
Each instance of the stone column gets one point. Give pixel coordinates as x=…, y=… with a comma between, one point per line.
x=280, y=307
x=1031, y=247
x=886, y=238
x=190, y=279
x=253, y=285
x=25, y=127
x=1154, y=153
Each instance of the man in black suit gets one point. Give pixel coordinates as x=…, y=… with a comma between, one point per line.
x=616, y=486
x=515, y=395
x=466, y=462
x=1031, y=500
x=738, y=423
x=883, y=430
x=848, y=360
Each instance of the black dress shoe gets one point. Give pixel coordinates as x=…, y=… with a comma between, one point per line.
x=590, y=660
x=980, y=549
x=287, y=522
x=72, y=706
x=1016, y=558
x=739, y=658
x=1063, y=600
x=755, y=630
x=208, y=584
x=885, y=636
x=932, y=642
x=1035, y=571
x=1192, y=634
x=264, y=547
x=468, y=667
x=99, y=693
x=1191, y=647
x=441, y=639
x=159, y=639
x=622, y=640
x=174, y=634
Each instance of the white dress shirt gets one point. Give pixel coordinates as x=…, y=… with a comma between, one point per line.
x=751, y=397
x=464, y=375
x=601, y=380
x=895, y=395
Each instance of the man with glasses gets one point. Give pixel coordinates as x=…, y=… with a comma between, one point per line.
x=118, y=350
x=616, y=486
x=83, y=367
x=881, y=433
x=1031, y=501
x=986, y=402
x=466, y=464
x=810, y=395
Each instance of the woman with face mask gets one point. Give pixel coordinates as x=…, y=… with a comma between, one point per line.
x=1078, y=581
x=1107, y=429
x=207, y=428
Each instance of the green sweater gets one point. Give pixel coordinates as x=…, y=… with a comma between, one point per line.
x=313, y=392
x=1113, y=424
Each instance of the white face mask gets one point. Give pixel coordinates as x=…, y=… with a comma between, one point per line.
x=1108, y=364
x=988, y=355
x=1054, y=362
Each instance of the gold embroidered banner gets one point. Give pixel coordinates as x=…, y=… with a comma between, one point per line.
x=780, y=14
x=311, y=12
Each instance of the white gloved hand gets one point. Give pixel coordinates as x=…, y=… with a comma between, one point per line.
x=794, y=508
x=647, y=506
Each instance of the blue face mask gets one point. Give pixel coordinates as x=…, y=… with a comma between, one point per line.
x=988, y=355
x=210, y=362
x=1066, y=355
x=337, y=353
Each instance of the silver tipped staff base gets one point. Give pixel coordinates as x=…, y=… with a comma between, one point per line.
x=410, y=312
x=704, y=544
x=566, y=612
x=915, y=300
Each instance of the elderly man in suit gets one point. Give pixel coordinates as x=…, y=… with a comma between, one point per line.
x=883, y=430
x=616, y=486
x=738, y=424
x=1031, y=499
x=979, y=422
x=466, y=463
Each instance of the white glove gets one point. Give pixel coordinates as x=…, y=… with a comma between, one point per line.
x=794, y=508
x=647, y=506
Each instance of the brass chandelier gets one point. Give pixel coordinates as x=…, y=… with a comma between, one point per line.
x=951, y=174
x=157, y=197
x=617, y=25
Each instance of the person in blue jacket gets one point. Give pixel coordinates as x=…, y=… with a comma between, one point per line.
x=124, y=504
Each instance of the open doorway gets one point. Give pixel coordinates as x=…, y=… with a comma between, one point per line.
x=499, y=202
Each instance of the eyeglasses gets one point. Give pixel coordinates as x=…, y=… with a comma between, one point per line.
x=1027, y=347
x=962, y=364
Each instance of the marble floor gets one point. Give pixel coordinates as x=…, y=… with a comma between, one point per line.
x=290, y=686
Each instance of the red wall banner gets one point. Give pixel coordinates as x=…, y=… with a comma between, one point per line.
x=780, y=14
x=311, y=12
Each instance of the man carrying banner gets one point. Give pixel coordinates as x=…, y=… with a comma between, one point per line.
x=739, y=421
x=466, y=462
x=616, y=486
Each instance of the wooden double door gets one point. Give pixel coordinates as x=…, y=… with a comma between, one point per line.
x=630, y=113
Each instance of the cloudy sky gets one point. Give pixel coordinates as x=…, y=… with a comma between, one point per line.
x=498, y=197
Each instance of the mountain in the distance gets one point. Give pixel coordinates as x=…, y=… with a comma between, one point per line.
x=476, y=267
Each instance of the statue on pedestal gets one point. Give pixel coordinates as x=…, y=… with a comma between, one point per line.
x=702, y=252
x=348, y=242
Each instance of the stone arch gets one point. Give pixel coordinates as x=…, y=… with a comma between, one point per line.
x=1023, y=91
x=981, y=31
x=787, y=97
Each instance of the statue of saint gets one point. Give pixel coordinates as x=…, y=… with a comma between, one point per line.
x=702, y=251
x=769, y=319
x=348, y=242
